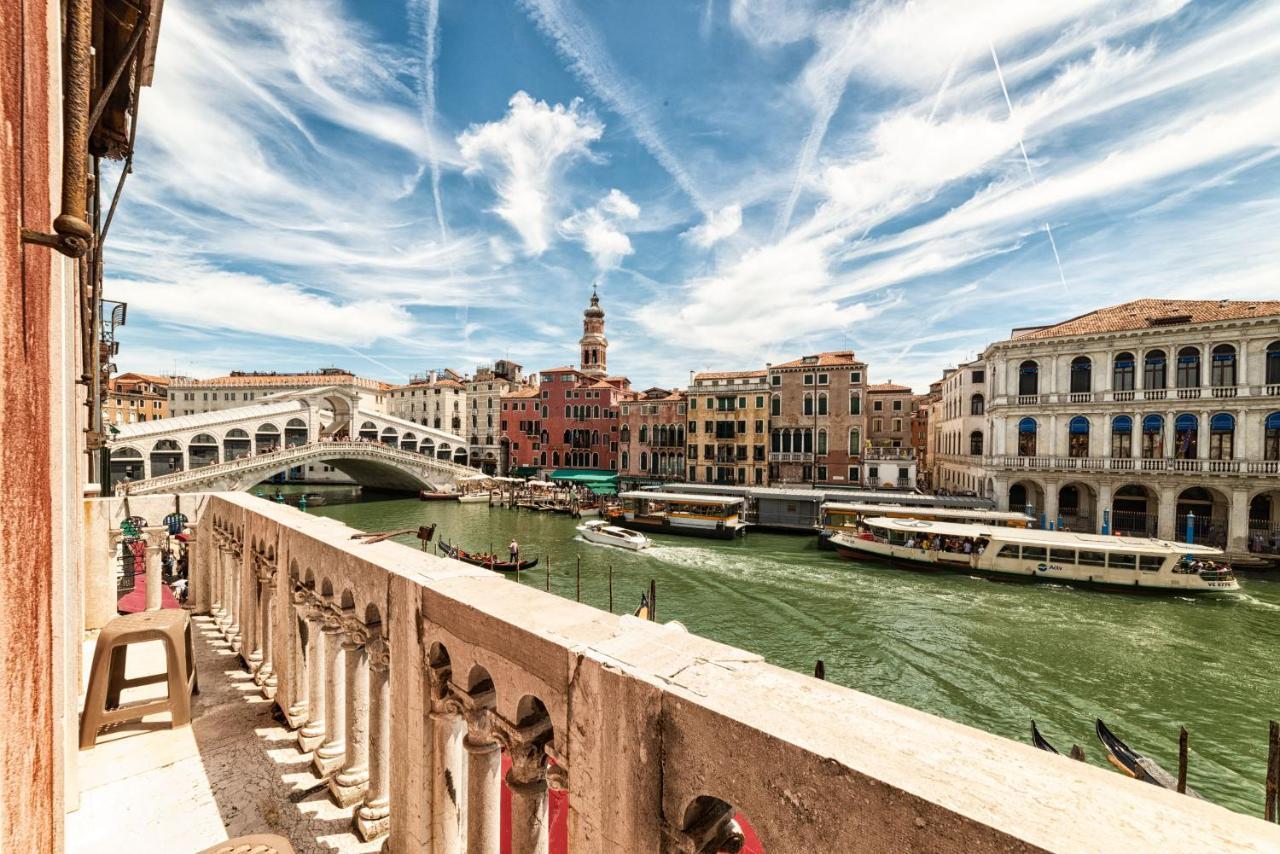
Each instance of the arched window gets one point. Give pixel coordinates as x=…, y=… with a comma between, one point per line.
x=626, y=460
x=568, y=411
x=1154, y=370
x=775, y=442
x=1122, y=372
x=822, y=441
x=625, y=436
x=975, y=443
x=1188, y=375
x=1081, y=375
x=555, y=458
x=1121, y=437
x=1222, y=435
x=1186, y=428
x=1273, y=363
x=775, y=405
x=1153, y=437
x=568, y=437
x=595, y=460
x=808, y=441
x=1222, y=372
x=808, y=404
x=644, y=433
x=1028, y=378
x=1078, y=437
x=822, y=403
x=543, y=459
x=596, y=411
x=1271, y=438
x=1027, y=437
x=644, y=461
x=977, y=405
x=855, y=442
x=595, y=437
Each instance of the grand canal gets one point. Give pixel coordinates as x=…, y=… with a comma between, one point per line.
x=984, y=653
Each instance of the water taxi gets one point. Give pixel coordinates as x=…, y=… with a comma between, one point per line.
x=1093, y=560
x=841, y=518
x=715, y=516
x=600, y=531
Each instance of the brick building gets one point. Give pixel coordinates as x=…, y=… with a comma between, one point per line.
x=889, y=415
x=816, y=417
x=131, y=398
x=651, y=439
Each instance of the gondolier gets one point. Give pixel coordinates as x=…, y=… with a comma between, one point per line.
x=514, y=549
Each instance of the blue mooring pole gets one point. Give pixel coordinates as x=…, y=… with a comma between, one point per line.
x=1106, y=522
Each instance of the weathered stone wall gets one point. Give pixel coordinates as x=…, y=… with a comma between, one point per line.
x=659, y=736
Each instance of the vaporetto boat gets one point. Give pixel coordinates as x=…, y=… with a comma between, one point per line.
x=1093, y=560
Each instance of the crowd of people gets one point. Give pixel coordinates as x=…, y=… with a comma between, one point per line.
x=956, y=545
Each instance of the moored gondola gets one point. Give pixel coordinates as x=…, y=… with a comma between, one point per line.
x=488, y=561
x=1039, y=740
x=1134, y=764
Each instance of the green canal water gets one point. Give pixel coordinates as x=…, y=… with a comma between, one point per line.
x=988, y=654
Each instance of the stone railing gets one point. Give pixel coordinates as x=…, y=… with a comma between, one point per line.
x=1120, y=396
x=407, y=677
x=790, y=457
x=1129, y=464
x=297, y=454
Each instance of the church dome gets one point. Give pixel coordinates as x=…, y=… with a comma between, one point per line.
x=594, y=310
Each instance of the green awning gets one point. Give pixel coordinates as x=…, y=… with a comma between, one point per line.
x=524, y=471
x=603, y=488
x=585, y=476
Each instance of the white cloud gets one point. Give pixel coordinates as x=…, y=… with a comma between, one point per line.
x=218, y=299
x=716, y=227
x=599, y=229
x=524, y=155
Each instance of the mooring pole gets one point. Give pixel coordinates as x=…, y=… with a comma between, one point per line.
x=611, y=588
x=653, y=600
x=1182, y=761
x=577, y=592
x=820, y=670
x=1077, y=753
x=548, y=571
x=1272, y=810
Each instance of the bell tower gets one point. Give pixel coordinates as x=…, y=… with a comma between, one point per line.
x=593, y=346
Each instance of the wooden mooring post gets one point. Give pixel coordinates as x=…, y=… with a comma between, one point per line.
x=1272, y=810
x=653, y=600
x=1182, y=761
x=548, y=571
x=820, y=670
x=577, y=591
x=1077, y=753
x=610, y=588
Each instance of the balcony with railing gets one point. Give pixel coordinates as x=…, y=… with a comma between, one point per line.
x=1130, y=464
x=877, y=454
x=790, y=457
x=363, y=696
x=1129, y=395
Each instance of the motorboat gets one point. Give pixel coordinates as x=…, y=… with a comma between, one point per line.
x=1130, y=564
x=599, y=531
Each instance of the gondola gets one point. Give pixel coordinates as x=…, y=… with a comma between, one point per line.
x=1133, y=763
x=1039, y=741
x=426, y=495
x=486, y=561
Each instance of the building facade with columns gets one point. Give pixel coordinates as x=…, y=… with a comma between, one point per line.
x=241, y=388
x=1150, y=416
x=651, y=440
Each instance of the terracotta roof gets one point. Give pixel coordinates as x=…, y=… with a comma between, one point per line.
x=886, y=388
x=1154, y=313
x=729, y=375
x=830, y=359
x=151, y=378
x=522, y=392
x=560, y=370
x=301, y=380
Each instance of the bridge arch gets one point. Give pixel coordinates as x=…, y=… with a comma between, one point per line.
x=266, y=438
x=236, y=444
x=202, y=450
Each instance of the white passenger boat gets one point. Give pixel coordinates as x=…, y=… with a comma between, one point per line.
x=474, y=497
x=1093, y=560
x=599, y=531
x=840, y=518
x=715, y=516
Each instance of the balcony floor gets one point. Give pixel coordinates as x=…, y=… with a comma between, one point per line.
x=236, y=770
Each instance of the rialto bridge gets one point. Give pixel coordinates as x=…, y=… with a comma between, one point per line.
x=237, y=448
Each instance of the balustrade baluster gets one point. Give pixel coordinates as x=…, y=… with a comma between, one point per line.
x=527, y=781
x=312, y=733
x=266, y=675
x=299, y=687
x=374, y=816
x=252, y=640
x=484, y=784
x=348, y=786
x=446, y=815
x=330, y=754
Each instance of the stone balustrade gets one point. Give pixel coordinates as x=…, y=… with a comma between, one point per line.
x=408, y=677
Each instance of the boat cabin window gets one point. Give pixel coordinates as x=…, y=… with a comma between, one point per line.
x=1008, y=550
x=1062, y=556
x=1033, y=553
x=1120, y=560
x=1150, y=563
x=1093, y=558
x=897, y=538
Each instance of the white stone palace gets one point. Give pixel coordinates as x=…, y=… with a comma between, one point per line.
x=1132, y=416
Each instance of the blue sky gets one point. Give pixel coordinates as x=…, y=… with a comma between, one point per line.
x=392, y=188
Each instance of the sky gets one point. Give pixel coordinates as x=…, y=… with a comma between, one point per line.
x=393, y=188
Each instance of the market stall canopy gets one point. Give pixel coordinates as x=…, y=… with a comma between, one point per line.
x=586, y=477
